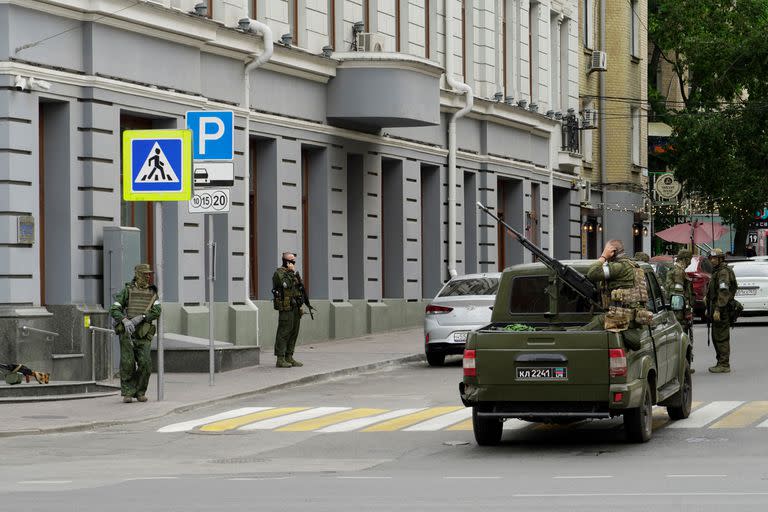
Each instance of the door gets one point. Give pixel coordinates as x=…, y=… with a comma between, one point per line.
x=139, y=214
x=665, y=330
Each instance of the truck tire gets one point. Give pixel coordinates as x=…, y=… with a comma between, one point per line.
x=435, y=359
x=683, y=398
x=487, y=430
x=638, y=422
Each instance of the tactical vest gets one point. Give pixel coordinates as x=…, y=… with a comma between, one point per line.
x=288, y=296
x=628, y=304
x=139, y=301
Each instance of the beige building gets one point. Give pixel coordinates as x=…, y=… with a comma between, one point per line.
x=614, y=109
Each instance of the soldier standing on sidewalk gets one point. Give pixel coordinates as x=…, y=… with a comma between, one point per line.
x=288, y=298
x=136, y=306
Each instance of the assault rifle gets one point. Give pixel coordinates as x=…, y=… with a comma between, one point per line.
x=574, y=279
x=305, y=297
x=40, y=377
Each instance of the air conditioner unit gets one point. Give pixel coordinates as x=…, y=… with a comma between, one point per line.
x=586, y=192
x=598, y=62
x=370, y=42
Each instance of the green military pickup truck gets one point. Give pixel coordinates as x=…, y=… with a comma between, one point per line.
x=536, y=362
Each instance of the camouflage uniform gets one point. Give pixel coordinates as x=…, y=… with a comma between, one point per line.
x=641, y=256
x=722, y=288
x=624, y=294
x=287, y=290
x=678, y=283
x=137, y=304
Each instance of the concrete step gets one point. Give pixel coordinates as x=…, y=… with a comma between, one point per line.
x=55, y=390
x=190, y=354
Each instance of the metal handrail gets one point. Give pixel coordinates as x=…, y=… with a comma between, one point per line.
x=104, y=330
x=49, y=335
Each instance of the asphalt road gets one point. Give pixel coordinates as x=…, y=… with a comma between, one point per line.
x=330, y=456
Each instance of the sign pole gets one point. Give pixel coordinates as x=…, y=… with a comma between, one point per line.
x=211, y=267
x=159, y=284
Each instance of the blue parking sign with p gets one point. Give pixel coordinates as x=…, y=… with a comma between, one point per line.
x=212, y=134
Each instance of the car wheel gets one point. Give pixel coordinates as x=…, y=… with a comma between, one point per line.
x=683, y=398
x=435, y=359
x=638, y=422
x=487, y=430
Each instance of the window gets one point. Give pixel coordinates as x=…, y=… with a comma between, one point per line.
x=588, y=24
x=587, y=136
x=635, y=32
x=332, y=23
x=253, y=9
x=655, y=297
x=635, y=135
x=568, y=301
x=475, y=286
x=529, y=294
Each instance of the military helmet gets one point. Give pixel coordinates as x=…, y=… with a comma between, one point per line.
x=641, y=256
x=143, y=268
x=684, y=254
x=716, y=253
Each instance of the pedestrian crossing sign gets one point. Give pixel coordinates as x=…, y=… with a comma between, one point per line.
x=157, y=165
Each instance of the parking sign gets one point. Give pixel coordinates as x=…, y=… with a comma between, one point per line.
x=212, y=134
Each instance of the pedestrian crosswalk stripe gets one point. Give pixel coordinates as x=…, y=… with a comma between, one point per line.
x=439, y=423
x=720, y=414
x=292, y=418
x=231, y=424
x=349, y=426
x=705, y=415
x=744, y=416
x=318, y=423
x=189, y=425
x=410, y=419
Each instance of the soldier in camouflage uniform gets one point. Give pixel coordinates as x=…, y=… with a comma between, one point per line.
x=641, y=256
x=134, y=310
x=680, y=292
x=722, y=288
x=624, y=292
x=288, y=296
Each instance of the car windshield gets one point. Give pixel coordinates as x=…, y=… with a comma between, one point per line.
x=750, y=269
x=471, y=286
x=530, y=294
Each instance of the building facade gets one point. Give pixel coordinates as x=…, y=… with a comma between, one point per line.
x=613, y=89
x=344, y=160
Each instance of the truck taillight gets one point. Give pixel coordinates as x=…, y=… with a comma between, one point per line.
x=437, y=310
x=618, y=360
x=469, y=364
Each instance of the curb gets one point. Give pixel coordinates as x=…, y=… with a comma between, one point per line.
x=309, y=379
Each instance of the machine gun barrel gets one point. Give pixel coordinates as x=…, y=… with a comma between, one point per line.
x=574, y=279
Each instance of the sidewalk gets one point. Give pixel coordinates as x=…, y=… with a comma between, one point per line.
x=185, y=391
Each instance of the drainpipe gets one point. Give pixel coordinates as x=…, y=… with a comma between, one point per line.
x=462, y=88
x=601, y=93
x=249, y=25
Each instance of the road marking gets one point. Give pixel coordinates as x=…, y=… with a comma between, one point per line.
x=151, y=478
x=239, y=421
x=246, y=479
x=410, y=419
x=581, y=477
x=472, y=477
x=637, y=494
x=316, y=424
x=441, y=422
x=661, y=417
x=189, y=425
x=44, y=482
x=696, y=476
x=510, y=424
x=351, y=425
x=364, y=477
x=706, y=415
x=744, y=416
x=292, y=418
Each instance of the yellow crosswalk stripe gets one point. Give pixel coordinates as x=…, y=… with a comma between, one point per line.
x=231, y=424
x=317, y=423
x=410, y=419
x=464, y=425
x=661, y=418
x=744, y=416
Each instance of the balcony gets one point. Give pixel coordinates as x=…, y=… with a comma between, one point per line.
x=374, y=90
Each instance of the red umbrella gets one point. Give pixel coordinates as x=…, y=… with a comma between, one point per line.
x=699, y=231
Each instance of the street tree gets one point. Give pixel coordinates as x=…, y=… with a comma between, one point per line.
x=718, y=52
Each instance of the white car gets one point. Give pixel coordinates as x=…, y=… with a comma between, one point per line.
x=752, y=278
x=462, y=305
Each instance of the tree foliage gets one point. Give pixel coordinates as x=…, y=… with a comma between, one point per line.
x=718, y=50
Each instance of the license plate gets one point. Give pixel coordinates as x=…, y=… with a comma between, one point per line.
x=746, y=291
x=460, y=336
x=543, y=373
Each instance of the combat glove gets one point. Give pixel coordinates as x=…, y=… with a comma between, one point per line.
x=129, y=327
x=137, y=320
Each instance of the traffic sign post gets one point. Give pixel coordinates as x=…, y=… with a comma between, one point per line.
x=213, y=136
x=157, y=166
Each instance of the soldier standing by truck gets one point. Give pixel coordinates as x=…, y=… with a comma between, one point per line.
x=722, y=288
x=680, y=291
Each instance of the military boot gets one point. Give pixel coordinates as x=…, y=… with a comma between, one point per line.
x=282, y=363
x=142, y=398
x=293, y=362
x=127, y=399
x=720, y=368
